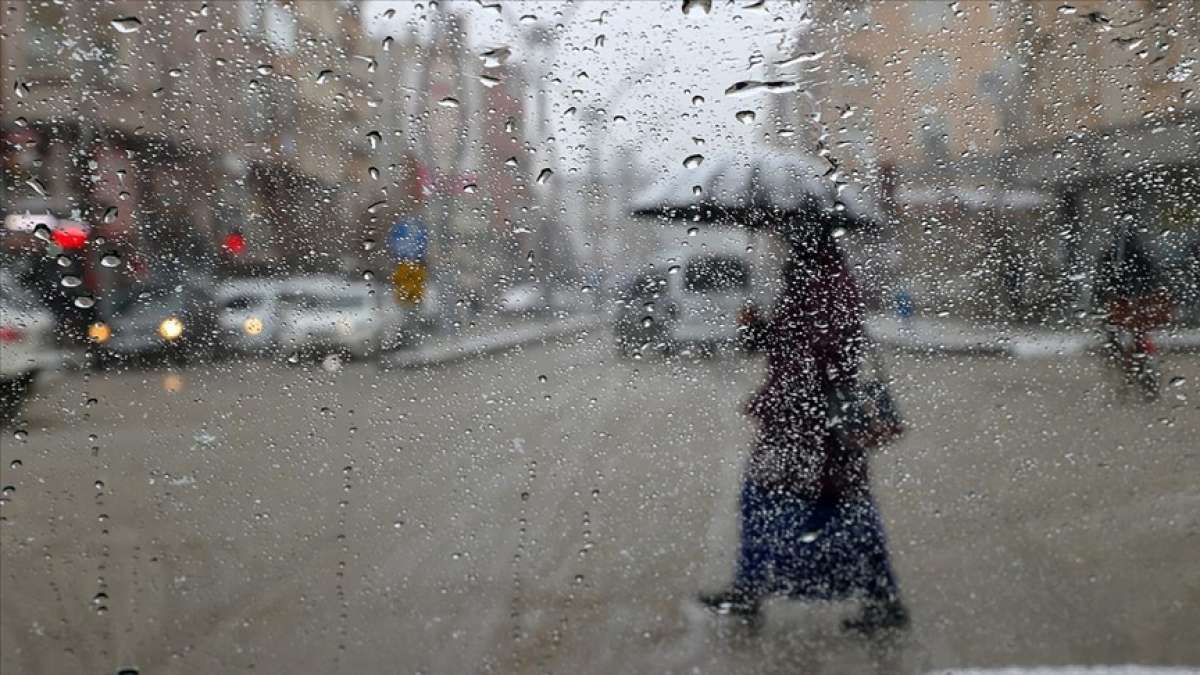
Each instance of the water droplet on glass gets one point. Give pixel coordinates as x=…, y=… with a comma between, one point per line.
x=264, y=69
x=323, y=76
x=488, y=81
x=1178, y=381
x=599, y=41
x=805, y=57
x=175, y=72
x=745, y=116
x=673, y=269
x=470, y=188
x=200, y=32
x=368, y=244
x=704, y=6
x=449, y=102
x=511, y=161
x=544, y=176
x=37, y=186
x=697, y=190
x=127, y=24
x=1067, y=9
x=374, y=138
x=20, y=435
x=693, y=161
x=376, y=206
x=85, y=302
x=495, y=57
x=697, y=100
x=528, y=18
x=748, y=87
x=99, y=485
x=63, y=261
x=71, y=281
x=809, y=537
x=387, y=43
x=110, y=260
x=647, y=322
x=693, y=231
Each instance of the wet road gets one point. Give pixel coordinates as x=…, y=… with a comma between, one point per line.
x=552, y=509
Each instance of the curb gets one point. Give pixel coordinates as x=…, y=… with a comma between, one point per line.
x=489, y=343
x=893, y=333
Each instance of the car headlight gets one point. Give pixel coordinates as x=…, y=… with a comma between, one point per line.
x=252, y=326
x=99, y=332
x=170, y=328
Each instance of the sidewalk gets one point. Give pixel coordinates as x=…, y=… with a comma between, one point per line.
x=494, y=336
x=954, y=336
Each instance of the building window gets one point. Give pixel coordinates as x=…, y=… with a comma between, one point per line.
x=928, y=16
x=269, y=21
x=44, y=35
x=932, y=70
x=279, y=26
x=934, y=135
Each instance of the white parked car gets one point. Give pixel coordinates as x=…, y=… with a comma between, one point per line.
x=27, y=347
x=319, y=316
x=248, y=314
x=523, y=299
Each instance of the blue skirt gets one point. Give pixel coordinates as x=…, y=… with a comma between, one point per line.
x=818, y=551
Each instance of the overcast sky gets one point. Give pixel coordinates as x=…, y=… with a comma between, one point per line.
x=649, y=66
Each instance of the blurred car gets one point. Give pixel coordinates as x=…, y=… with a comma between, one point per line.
x=644, y=314
x=522, y=299
x=695, y=302
x=319, y=316
x=177, y=322
x=247, y=314
x=707, y=293
x=27, y=346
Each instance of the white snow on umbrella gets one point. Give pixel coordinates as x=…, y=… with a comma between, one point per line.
x=738, y=184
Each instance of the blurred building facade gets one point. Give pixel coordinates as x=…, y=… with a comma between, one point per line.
x=170, y=124
x=1010, y=141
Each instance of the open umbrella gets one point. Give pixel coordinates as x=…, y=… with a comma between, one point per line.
x=756, y=189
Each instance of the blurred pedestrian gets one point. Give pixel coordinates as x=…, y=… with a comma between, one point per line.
x=1132, y=293
x=810, y=529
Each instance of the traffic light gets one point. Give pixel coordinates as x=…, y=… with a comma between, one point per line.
x=234, y=243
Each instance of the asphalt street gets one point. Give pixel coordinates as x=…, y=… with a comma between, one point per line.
x=554, y=508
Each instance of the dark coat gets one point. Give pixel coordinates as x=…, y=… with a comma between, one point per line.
x=813, y=342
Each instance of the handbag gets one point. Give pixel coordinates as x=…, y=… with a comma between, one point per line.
x=865, y=416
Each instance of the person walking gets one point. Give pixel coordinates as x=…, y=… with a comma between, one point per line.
x=1132, y=294
x=810, y=529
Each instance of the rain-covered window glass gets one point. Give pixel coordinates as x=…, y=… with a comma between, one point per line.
x=715, y=273
x=600, y=336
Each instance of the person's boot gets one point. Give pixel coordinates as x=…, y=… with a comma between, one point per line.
x=734, y=603
x=879, y=617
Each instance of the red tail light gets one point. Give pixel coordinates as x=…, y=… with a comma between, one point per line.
x=11, y=334
x=71, y=239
